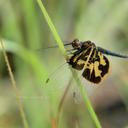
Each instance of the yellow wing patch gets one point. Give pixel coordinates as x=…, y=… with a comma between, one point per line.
x=97, y=68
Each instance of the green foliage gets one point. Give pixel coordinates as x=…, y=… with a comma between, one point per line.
x=24, y=29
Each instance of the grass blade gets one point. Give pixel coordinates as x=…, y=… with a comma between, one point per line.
x=61, y=46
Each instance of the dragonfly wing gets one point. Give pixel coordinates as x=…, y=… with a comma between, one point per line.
x=96, y=68
x=78, y=59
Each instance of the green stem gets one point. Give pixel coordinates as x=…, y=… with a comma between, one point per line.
x=61, y=46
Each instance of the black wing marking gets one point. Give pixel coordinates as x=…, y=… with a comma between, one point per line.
x=97, y=68
x=78, y=59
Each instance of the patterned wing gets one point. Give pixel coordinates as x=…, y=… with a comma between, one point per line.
x=96, y=68
x=78, y=59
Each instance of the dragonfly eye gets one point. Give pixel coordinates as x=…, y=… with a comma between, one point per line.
x=76, y=44
x=87, y=43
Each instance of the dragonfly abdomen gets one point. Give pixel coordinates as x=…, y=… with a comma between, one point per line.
x=107, y=52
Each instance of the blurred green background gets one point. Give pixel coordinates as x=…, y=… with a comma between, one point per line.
x=24, y=30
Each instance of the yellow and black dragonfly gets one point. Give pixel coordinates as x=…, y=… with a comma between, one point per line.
x=86, y=56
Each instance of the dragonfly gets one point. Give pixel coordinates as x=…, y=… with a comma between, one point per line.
x=91, y=59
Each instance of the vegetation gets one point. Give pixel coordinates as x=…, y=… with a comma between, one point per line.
x=54, y=104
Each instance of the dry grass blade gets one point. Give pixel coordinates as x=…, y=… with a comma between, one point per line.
x=61, y=103
x=54, y=123
x=20, y=105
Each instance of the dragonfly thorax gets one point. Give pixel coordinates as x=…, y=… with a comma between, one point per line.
x=87, y=43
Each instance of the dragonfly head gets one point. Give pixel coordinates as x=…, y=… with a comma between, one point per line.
x=76, y=44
